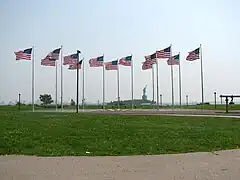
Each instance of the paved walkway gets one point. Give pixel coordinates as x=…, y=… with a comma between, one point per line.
x=223, y=165
x=170, y=112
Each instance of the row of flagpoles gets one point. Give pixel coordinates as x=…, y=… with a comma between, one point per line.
x=75, y=64
x=166, y=53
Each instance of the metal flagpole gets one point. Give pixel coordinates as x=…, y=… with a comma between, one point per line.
x=61, y=78
x=83, y=95
x=56, y=93
x=132, y=81
x=77, y=97
x=180, y=82
x=172, y=77
x=33, y=78
x=201, y=66
x=118, y=84
x=153, y=87
x=157, y=85
x=103, y=85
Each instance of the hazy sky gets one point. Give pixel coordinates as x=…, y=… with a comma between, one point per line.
x=120, y=28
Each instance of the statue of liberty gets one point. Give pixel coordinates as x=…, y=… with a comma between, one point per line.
x=144, y=96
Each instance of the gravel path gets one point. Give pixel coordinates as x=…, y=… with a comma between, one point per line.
x=222, y=165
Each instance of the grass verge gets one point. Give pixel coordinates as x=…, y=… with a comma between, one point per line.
x=57, y=134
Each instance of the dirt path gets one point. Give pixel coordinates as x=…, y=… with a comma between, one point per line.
x=224, y=165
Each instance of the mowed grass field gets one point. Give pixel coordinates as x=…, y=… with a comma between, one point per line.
x=58, y=134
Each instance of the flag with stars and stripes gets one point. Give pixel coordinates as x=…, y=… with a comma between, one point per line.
x=76, y=65
x=96, y=62
x=113, y=65
x=193, y=55
x=126, y=61
x=174, y=60
x=70, y=59
x=46, y=62
x=54, y=55
x=164, y=53
x=24, y=55
x=147, y=65
x=152, y=57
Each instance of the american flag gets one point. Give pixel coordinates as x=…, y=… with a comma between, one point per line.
x=46, y=62
x=70, y=59
x=75, y=65
x=113, y=65
x=193, y=55
x=147, y=65
x=164, y=53
x=174, y=60
x=96, y=62
x=25, y=54
x=152, y=57
x=126, y=61
x=54, y=55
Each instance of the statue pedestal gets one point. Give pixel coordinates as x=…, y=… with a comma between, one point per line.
x=144, y=97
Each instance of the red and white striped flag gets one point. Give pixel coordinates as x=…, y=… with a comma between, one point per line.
x=193, y=55
x=25, y=54
x=126, y=61
x=96, y=62
x=147, y=65
x=113, y=65
x=54, y=55
x=174, y=60
x=75, y=65
x=46, y=62
x=152, y=58
x=70, y=59
x=164, y=53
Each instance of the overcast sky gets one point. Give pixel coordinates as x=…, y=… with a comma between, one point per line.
x=117, y=29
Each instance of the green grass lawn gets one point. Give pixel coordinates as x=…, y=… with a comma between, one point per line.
x=56, y=134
